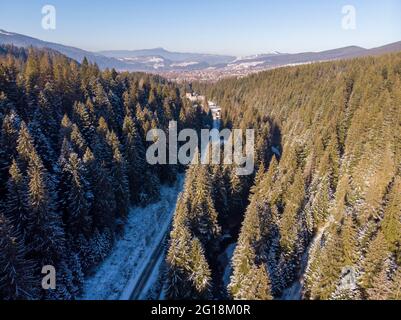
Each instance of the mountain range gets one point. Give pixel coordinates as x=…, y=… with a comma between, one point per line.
x=159, y=60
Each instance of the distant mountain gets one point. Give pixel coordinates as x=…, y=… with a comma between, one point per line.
x=281, y=59
x=149, y=60
x=392, y=47
x=268, y=61
x=210, y=59
x=71, y=52
x=159, y=60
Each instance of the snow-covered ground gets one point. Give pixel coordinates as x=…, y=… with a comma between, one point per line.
x=184, y=64
x=245, y=65
x=225, y=258
x=144, y=231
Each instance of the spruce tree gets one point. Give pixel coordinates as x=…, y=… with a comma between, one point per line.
x=76, y=197
x=135, y=157
x=203, y=215
x=78, y=141
x=200, y=274
x=16, y=206
x=83, y=119
x=46, y=239
x=120, y=185
x=104, y=203
x=178, y=285
x=8, y=137
x=391, y=223
x=17, y=279
x=25, y=146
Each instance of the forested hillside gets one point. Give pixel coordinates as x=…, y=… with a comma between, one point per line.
x=319, y=219
x=323, y=212
x=72, y=162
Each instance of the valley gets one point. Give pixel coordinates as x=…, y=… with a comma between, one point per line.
x=107, y=182
x=188, y=67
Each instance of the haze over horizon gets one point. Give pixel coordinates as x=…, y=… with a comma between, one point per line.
x=236, y=27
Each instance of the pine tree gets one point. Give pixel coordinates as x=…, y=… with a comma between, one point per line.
x=48, y=113
x=396, y=287
x=101, y=147
x=151, y=188
x=10, y=127
x=120, y=184
x=65, y=129
x=78, y=141
x=8, y=81
x=17, y=280
x=200, y=273
x=46, y=239
x=243, y=262
x=236, y=198
x=289, y=227
x=8, y=142
x=259, y=177
x=391, y=224
x=31, y=76
x=256, y=285
x=103, y=105
x=42, y=146
x=16, y=207
x=178, y=285
x=220, y=195
x=381, y=284
x=83, y=119
x=135, y=157
x=374, y=261
x=104, y=204
x=25, y=146
x=77, y=197
x=203, y=215
x=188, y=275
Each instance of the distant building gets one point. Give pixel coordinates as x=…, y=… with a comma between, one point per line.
x=215, y=110
x=213, y=107
x=194, y=97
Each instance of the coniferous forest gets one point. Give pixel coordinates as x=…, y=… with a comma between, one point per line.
x=320, y=218
x=72, y=162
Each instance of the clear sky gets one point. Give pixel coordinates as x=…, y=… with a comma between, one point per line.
x=238, y=27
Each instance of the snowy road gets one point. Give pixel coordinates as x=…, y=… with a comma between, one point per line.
x=149, y=270
x=131, y=266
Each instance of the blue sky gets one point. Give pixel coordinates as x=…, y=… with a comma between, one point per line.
x=239, y=27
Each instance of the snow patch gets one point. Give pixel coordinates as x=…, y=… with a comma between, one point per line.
x=243, y=58
x=256, y=56
x=5, y=33
x=228, y=270
x=184, y=64
x=155, y=60
x=276, y=151
x=144, y=230
x=158, y=66
x=129, y=59
x=245, y=65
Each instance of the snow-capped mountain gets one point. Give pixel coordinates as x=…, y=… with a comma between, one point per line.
x=20, y=40
x=159, y=60
x=149, y=60
x=169, y=56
